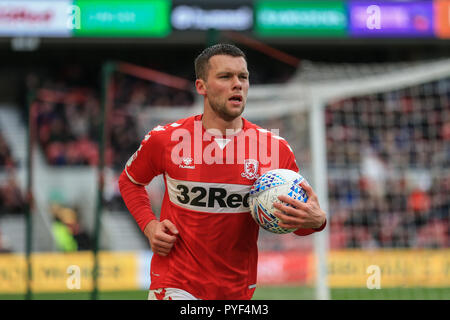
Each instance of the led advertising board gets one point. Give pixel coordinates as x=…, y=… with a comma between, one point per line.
x=131, y=18
x=35, y=18
x=300, y=18
x=219, y=15
x=391, y=19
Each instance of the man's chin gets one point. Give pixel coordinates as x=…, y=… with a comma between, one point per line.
x=227, y=112
x=233, y=114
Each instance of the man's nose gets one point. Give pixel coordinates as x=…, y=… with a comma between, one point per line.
x=237, y=83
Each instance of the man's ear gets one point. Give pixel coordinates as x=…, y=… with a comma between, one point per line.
x=200, y=85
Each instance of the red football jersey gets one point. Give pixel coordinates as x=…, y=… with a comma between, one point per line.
x=207, y=182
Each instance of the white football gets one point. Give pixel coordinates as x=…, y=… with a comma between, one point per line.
x=265, y=192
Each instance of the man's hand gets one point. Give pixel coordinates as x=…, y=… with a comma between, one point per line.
x=303, y=214
x=161, y=235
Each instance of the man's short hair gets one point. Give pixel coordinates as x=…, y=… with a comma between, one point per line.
x=202, y=60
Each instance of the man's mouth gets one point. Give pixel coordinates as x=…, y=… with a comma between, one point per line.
x=236, y=99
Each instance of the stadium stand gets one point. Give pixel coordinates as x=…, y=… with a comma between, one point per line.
x=11, y=197
x=12, y=200
x=6, y=158
x=387, y=155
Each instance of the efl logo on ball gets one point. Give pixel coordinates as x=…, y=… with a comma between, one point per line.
x=265, y=192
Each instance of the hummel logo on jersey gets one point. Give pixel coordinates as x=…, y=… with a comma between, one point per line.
x=187, y=163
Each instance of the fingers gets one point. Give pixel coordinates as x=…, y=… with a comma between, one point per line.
x=299, y=221
x=162, y=244
x=294, y=218
x=286, y=219
x=166, y=232
x=290, y=217
x=161, y=251
x=299, y=214
x=288, y=226
x=309, y=190
x=164, y=237
x=161, y=248
x=296, y=212
x=170, y=226
x=296, y=203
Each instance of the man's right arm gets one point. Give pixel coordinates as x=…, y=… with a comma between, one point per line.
x=145, y=164
x=161, y=235
x=137, y=201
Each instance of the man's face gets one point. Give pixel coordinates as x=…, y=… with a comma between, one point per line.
x=226, y=86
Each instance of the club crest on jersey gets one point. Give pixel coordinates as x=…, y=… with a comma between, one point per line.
x=187, y=163
x=250, y=169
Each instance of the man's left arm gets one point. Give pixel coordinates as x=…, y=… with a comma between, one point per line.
x=307, y=216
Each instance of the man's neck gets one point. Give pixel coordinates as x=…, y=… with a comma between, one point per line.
x=214, y=124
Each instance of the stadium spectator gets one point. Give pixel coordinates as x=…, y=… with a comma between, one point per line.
x=67, y=231
x=12, y=200
x=11, y=197
x=419, y=204
x=339, y=235
x=6, y=158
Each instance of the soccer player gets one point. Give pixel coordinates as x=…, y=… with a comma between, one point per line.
x=205, y=242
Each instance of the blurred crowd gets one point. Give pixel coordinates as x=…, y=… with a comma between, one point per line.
x=12, y=200
x=69, y=104
x=68, y=118
x=11, y=196
x=66, y=127
x=389, y=168
x=67, y=231
x=6, y=158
